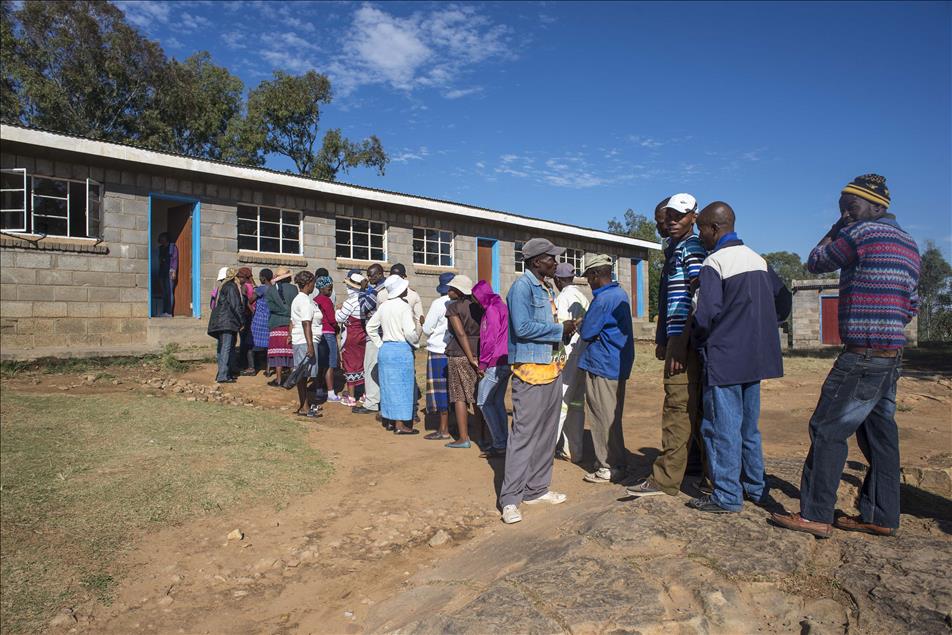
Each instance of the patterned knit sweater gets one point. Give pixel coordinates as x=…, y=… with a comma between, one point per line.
x=879, y=273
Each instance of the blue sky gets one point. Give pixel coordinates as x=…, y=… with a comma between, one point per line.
x=576, y=112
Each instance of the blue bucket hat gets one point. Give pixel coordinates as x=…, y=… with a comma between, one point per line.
x=443, y=288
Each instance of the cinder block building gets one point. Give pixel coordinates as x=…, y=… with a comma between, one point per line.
x=814, y=318
x=79, y=221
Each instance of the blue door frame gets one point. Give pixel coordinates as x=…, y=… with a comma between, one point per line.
x=196, y=248
x=641, y=271
x=495, y=242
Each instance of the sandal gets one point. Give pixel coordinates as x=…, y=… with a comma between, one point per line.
x=436, y=436
x=310, y=413
x=463, y=445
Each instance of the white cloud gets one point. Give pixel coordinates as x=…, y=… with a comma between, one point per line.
x=234, y=39
x=645, y=142
x=173, y=43
x=191, y=22
x=424, y=50
x=144, y=13
x=411, y=155
x=286, y=60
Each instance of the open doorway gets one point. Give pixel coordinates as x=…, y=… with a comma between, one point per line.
x=487, y=261
x=174, y=237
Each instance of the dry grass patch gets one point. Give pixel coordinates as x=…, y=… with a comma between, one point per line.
x=82, y=476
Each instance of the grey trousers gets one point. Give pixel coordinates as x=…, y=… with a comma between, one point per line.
x=371, y=387
x=604, y=404
x=531, y=446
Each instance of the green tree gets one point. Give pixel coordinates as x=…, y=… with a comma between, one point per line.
x=935, y=295
x=639, y=226
x=194, y=105
x=788, y=266
x=283, y=118
x=77, y=66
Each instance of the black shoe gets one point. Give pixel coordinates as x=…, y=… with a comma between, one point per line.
x=249, y=373
x=360, y=410
x=705, y=487
x=230, y=380
x=705, y=504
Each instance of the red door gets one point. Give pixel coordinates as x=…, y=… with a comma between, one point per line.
x=180, y=233
x=829, y=320
x=484, y=260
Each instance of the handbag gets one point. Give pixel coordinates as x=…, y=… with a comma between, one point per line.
x=300, y=372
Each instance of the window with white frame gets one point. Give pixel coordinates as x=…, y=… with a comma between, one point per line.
x=49, y=206
x=574, y=257
x=269, y=230
x=519, y=266
x=359, y=239
x=432, y=247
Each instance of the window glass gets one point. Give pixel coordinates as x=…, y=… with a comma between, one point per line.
x=518, y=265
x=359, y=239
x=269, y=230
x=432, y=247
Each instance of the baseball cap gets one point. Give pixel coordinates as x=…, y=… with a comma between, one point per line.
x=538, y=246
x=597, y=260
x=564, y=270
x=682, y=203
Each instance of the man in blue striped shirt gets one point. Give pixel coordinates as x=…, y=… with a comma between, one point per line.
x=682, y=389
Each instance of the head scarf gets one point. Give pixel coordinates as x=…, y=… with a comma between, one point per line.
x=323, y=281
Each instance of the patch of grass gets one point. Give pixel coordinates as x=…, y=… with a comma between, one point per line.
x=56, y=365
x=81, y=476
x=169, y=361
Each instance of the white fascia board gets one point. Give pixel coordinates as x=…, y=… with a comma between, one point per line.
x=160, y=159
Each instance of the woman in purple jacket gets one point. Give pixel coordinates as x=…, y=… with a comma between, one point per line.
x=493, y=366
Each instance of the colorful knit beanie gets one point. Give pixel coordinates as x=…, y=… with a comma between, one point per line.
x=871, y=187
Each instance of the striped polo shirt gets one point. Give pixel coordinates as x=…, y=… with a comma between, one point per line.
x=681, y=267
x=879, y=274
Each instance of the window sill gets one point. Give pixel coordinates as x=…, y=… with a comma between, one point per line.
x=54, y=243
x=432, y=270
x=349, y=263
x=259, y=258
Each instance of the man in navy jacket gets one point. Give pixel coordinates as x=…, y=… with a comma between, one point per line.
x=739, y=304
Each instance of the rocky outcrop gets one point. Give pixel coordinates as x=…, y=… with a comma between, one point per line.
x=609, y=565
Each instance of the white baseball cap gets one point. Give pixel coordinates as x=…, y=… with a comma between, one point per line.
x=682, y=203
x=222, y=273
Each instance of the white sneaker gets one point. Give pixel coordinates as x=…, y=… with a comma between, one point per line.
x=510, y=514
x=601, y=475
x=553, y=498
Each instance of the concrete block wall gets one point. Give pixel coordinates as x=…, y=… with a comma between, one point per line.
x=73, y=294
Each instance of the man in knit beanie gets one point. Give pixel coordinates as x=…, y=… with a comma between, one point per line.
x=879, y=273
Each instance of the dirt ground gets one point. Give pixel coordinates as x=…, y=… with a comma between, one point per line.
x=320, y=564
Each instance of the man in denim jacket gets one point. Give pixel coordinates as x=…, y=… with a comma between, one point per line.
x=537, y=357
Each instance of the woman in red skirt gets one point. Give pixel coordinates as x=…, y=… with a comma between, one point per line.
x=355, y=339
x=279, y=297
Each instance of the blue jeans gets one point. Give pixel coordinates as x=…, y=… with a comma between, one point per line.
x=732, y=441
x=858, y=397
x=227, y=360
x=491, y=399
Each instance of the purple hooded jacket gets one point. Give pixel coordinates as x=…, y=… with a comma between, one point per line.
x=494, y=329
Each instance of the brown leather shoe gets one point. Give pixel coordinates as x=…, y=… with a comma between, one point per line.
x=796, y=523
x=855, y=523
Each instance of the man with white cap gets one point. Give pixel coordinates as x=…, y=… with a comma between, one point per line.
x=571, y=304
x=680, y=419
x=537, y=356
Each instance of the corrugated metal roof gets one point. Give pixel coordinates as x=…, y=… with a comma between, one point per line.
x=329, y=187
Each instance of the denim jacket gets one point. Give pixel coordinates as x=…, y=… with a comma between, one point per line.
x=533, y=331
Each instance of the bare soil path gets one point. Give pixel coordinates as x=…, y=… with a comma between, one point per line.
x=326, y=562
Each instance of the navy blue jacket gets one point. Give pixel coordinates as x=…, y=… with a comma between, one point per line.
x=607, y=329
x=739, y=305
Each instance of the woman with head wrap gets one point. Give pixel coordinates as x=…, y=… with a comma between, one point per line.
x=279, y=297
x=327, y=350
x=259, y=323
x=227, y=318
x=355, y=338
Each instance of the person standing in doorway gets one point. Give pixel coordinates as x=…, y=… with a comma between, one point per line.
x=879, y=268
x=571, y=304
x=368, y=306
x=493, y=367
x=681, y=414
x=355, y=338
x=226, y=320
x=435, y=328
x=740, y=302
x=168, y=273
x=606, y=363
x=537, y=357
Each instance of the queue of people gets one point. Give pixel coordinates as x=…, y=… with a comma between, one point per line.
x=569, y=359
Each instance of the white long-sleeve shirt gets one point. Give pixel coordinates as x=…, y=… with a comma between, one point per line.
x=413, y=299
x=436, y=324
x=394, y=320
